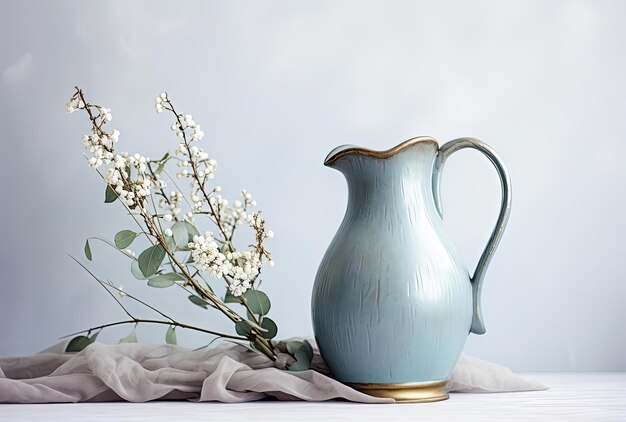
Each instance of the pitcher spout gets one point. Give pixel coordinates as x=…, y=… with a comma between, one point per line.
x=348, y=150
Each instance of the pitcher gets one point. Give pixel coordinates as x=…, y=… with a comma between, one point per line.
x=393, y=302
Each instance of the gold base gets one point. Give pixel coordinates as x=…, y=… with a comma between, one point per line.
x=422, y=392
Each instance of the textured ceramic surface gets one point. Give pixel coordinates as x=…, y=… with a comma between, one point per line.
x=393, y=301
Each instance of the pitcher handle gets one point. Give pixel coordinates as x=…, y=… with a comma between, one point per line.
x=478, y=326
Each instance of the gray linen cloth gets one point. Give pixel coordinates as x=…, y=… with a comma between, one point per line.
x=225, y=373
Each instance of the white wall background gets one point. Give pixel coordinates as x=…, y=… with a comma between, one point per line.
x=277, y=85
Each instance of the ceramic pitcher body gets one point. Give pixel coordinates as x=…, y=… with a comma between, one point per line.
x=393, y=302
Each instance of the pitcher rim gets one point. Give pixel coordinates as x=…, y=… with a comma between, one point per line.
x=343, y=150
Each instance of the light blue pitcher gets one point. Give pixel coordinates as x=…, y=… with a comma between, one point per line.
x=393, y=302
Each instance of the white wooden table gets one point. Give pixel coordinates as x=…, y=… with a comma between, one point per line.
x=572, y=396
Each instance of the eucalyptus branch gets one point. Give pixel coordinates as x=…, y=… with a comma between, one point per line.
x=134, y=319
x=131, y=179
x=154, y=321
x=106, y=286
x=103, y=286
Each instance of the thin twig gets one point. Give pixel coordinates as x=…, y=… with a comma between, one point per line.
x=155, y=321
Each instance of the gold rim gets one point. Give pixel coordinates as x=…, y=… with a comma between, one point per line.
x=342, y=151
x=422, y=392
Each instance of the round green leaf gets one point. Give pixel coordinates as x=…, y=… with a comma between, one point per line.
x=257, y=301
x=170, y=243
x=171, y=276
x=270, y=326
x=242, y=328
x=150, y=260
x=302, y=363
x=170, y=335
x=230, y=298
x=134, y=269
x=302, y=353
x=306, y=347
x=78, y=343
x=293, y=346
x=124, y=238
x=109, y=195
x=198, y=301
x=180, y=235
x=160, y=282
x=165, y=280
x=183, y=233
x=191, y=229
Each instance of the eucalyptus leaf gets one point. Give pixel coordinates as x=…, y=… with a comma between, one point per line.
x=173, y=276
x=250, y=315
x=271, y=327
x=242, y=328
x=198, y=301
x=181, y=236
x=88, y=250
x=165, y=280
x=79, y=343
x=230, y=298
x=136, y=271
x=302, y=362
x=302, y=353
x=293, y=346
x=191, y=229
x=124, y=238
x=109, y=195
x=170, y=335
x=257, y=301
x=165, y=157
x=160, y=282
x=159, y=169
x=306, y=346
x=130, y=338
x=169, y=242
x=183, y=233
x=150, y=260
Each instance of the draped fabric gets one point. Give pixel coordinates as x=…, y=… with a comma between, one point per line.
x=225, y=373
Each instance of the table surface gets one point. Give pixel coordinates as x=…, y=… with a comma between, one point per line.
x=572, y=396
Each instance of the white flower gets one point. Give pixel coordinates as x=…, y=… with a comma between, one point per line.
x=168, y=232
x=207, y=256
x=105, y=113
x=74, y=104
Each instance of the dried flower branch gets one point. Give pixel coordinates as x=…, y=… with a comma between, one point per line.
x=178, y=253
